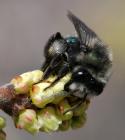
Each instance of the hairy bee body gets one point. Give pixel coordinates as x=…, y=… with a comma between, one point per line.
x=85, y=56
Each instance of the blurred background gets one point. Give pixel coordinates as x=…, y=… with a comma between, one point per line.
x=25, y=26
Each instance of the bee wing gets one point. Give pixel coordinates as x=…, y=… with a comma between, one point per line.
x=86, y=35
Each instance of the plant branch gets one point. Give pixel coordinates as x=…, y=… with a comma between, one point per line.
x=11, y=103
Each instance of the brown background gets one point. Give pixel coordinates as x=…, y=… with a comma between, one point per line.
x=25, y=25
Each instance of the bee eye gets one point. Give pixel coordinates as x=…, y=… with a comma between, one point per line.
x=80, y=75
x=72, y=40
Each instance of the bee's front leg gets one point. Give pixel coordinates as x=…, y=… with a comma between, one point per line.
x=51, y=66
x=61, y=73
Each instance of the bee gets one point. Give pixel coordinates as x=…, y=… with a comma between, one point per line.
x=86, y=57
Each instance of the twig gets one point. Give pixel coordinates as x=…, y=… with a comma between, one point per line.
x=12, y=103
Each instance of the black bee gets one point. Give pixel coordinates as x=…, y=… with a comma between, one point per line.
x=86, y=57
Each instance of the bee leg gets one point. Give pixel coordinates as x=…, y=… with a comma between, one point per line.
x=76, y=105
x=45, y=65
x=61, y=73
x=77, y=89
x=51, y=66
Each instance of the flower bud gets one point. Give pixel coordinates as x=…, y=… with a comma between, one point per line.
x=27, y=120
x=2, y=123
x=24, y=81
x=81, y=109
x=40, y=97
x=49, y=119
x=78, y=121
x=65, y=125
x=62, y=107
x=2, y=135
x=54, y=94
